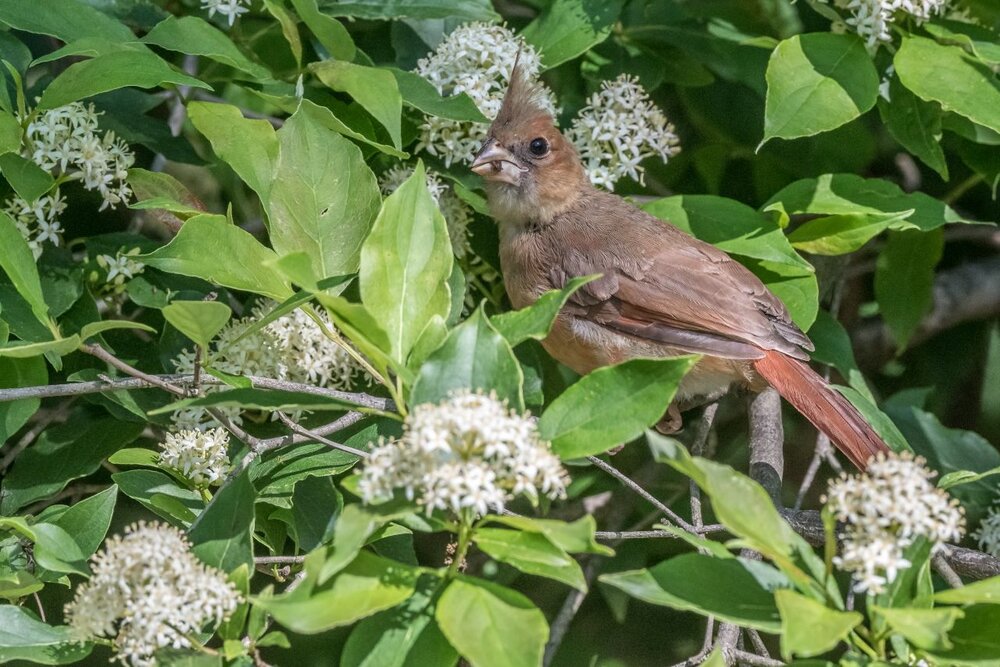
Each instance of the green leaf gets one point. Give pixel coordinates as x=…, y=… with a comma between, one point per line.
x=915, y=124
x=733, y=590
x=535, y=321
x=270, y=400
x=66, y=20
x=405, y=264
x=833, y=344
x=316, y=504
x=24, y=637
x=420, y=94
x=324, y=197
x=950, y=77
x=491, y=626
x=730, y=226
x=56, y=551
x=326, y=117
x=459, y=10
x=92, y=329
x=367, y=585
x=531, y=553
x=88, y=520
x=160, y=494
x=985, y=591
x=19, y=373
x=979, y=40
x=250, y=147
x=330, y=32
x=842, y=234
x=375, y=89
x=111, y=71
x=10, y=133
x=973, y=637
x=473, y=356
x=575, y=537
x=612, y=405
x=878, y=419
x=406, y=636
x=289, y=28
x=810, y=628
x=223, y=534
x=568, y=28
x=60, y=347
x=198, y=320
x=848, y=194
x=154, y=189
x=27, y=179
x=195, y=36
x=904, y=280
x=60, y=455
x=817, y=82
x=195, y=252
x=924, y=628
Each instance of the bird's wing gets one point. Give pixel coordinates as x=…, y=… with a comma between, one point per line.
x=680, y=292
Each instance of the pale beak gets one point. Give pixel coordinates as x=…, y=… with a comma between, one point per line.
x=496, y=163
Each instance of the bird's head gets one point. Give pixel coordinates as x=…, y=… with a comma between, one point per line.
x=531, y=170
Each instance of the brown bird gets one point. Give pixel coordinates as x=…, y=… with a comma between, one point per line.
x=661, y=292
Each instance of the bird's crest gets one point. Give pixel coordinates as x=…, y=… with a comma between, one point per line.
x=524, y=100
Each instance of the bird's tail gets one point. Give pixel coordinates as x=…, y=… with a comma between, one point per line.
x=822, y=405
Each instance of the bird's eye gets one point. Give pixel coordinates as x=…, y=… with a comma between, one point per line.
x=538, y=147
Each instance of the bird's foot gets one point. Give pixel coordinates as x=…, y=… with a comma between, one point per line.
x=671, y=422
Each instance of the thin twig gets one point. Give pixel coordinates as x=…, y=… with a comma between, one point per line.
x=608, y=535
x=345, y=421
x=945, y=570
x=58, y=414
x=701, y=433
x=630, y=484
x=278, y=560
x=110, y=359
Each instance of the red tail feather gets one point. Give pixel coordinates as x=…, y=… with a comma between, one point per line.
x=822, y=405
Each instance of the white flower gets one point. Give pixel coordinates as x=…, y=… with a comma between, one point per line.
x=872, y=19
x=988, y=533
x=476, y=59
x=121, y=267
x=455, y=211
x=885, y=510
x=201, y=456
x=38, y=222
x=147, y=592
x=618, y=129
x=290, y=348
x=468, y=453
x=228, y=8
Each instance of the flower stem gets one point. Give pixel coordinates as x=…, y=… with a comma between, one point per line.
x=465, y=530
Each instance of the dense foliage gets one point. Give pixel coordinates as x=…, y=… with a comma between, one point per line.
x=263, y=401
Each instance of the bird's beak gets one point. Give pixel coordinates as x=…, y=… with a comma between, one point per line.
x=496, y=163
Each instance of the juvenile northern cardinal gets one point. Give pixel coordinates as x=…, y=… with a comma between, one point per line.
x=661, y=291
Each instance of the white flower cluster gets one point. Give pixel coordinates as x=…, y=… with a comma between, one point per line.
x=618, y=129
x=200, y=456
x=885, y=510
x=68, y=141
x=872, y=19
x=292, y=347
x=476, y=59
x=121, y=267
x=148, y=592
x=228, y=8
x=988, y=533
x=455, y=211
x=467, y=454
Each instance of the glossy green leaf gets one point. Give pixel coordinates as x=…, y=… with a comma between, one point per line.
x=535, y=321
x=842, y=234
x=490, y=625
x=160, y=494
x=328, y=119
x=810, y=628
x=460, y=10
x=985, y=591
x=19, y=373
x=915, y=124
x=249, y=146
x=330, y=32
x=195, y=36
x=904, y=280
x=950, y=77
x=195, y=252
x=10, y=133
x=420, y=94
x=60, y=347
x=88, y=520
x=111, y=71
x=572, y=536
x=94, y=328
x=198, y=320
x=733, y=590
x=973, y=637
x=27, y=179
x=324, y=198
x=367, y=585
x=531, y=553
x=924, y=628
x=405, y=264
x=473, y=356
x=568, y=28
x=289, y=27
x=56, y=551
x=817, y=82
x=612, y=405
x=18, y=263
x=67, y=20
x=833, y=344
x=223, y=534
x=316, y=504
x=24, y=637
x=373, y=88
